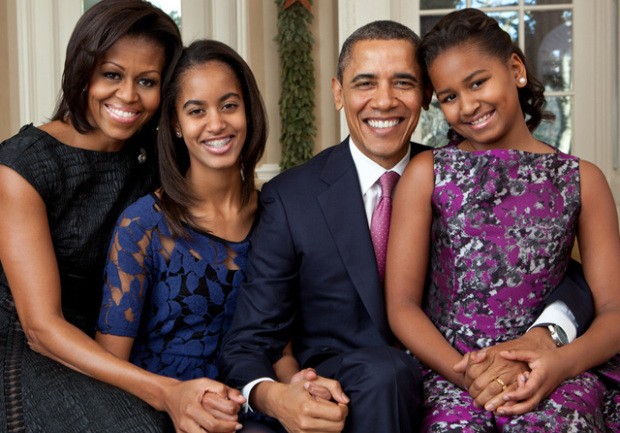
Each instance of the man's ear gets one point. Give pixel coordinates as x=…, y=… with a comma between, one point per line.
x=337, y=92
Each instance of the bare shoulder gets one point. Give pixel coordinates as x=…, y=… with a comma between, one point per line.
x=418, y=177
x=593, y=181
x=14, y=189
x=420, y=168
x=590, y=172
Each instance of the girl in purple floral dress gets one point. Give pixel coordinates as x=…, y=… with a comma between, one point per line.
x=496, y=212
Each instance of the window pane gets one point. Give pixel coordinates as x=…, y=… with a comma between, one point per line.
x=171, y=7
x=492, y=3
x=442, y=4
x=548, y=2
x=549, y=48
x=509, y=22
x=433, y=126
x=559, y=132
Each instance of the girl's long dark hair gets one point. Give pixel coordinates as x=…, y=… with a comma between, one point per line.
x=177, y=197
x=472, y=26
x=96, y=31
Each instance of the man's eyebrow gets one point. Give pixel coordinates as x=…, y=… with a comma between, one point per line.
x=369, y=76
x=407, y=76
x=363, y=76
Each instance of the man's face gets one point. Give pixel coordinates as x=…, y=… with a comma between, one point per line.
x=382, y=94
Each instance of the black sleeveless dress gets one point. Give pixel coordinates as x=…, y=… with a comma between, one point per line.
x=84, y=192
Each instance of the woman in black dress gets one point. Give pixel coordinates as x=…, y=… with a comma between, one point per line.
x=62, y=186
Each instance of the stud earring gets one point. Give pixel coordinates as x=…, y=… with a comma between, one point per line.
x=178, y=134
x=522, y=81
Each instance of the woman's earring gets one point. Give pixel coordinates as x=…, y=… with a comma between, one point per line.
x=178, y=134
x=522, y=81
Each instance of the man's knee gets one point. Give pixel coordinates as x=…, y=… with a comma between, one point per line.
x=383, y=368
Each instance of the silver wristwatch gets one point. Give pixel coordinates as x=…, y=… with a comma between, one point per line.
x=558, y=336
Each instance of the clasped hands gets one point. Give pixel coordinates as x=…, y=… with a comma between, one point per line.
x=511, y=378
x=203, y=405
x=308, y=403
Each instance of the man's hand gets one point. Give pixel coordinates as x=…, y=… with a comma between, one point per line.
x=483, y=369
x=299, y=411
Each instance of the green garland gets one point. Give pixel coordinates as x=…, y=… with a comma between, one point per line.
x=297, y=83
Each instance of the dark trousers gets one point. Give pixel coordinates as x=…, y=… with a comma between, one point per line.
x=385, y=388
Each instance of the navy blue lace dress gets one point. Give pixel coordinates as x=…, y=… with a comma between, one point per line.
x=84, y=193
x=175, y=297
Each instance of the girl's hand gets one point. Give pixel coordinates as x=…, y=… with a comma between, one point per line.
x=311, y=384
x=547, y=373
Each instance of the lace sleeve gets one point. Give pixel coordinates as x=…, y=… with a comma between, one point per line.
x=126, y=278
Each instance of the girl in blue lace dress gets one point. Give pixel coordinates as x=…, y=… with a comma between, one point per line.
x=496, y=212
x=178, y=256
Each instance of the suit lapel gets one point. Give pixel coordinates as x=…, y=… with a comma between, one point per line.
x=344, y=212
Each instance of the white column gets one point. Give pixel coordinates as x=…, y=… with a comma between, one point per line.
x=222, y=20
x=43, y=30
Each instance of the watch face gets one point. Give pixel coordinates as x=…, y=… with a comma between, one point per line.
x=561, y=334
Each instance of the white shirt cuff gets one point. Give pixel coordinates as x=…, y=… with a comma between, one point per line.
x=558, y=314
x=247, y=389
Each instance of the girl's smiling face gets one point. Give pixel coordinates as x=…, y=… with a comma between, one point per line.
x=478, y=94
x=211, y=115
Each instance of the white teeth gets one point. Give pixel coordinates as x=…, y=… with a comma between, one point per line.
x=122, y=113
x=217, y=144
x=383, y=123
x=481, y=120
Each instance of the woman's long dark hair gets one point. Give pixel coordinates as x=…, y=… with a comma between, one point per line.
x=97, y=30
x=472, y=26
x=177, y=197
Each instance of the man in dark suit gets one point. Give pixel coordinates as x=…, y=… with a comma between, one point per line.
x=312, y=275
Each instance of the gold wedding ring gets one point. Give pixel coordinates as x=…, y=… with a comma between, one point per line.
x=501, y=382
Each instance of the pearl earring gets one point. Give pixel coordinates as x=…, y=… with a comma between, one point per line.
x=522, y=81
x=179, y=134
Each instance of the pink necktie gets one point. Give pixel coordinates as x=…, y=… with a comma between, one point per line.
x=380, y=223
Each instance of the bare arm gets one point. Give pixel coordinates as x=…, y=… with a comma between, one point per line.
x=287, y=367
x=406, y=268
x=32, y=272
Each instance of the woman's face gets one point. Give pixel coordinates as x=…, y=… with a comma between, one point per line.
x=125, y=90
x=211, y=115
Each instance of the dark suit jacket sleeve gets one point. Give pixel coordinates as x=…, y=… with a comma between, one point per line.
x=575, y=293
x=265, y=311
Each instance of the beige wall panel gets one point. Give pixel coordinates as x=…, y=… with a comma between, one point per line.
x=9, y=109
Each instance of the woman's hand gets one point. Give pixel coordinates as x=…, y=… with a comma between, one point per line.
x=203, y=404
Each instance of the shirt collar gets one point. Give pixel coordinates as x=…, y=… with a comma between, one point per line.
x=368, y=171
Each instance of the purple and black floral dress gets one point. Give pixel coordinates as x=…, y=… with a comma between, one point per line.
x=504, y=223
